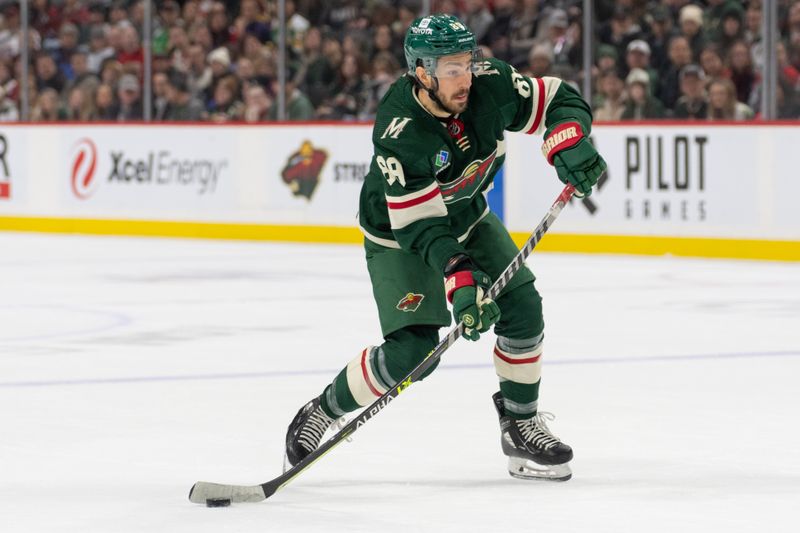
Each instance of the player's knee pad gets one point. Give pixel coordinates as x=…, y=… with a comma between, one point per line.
x=405, y=348
x=520, y=313
x=518, y=360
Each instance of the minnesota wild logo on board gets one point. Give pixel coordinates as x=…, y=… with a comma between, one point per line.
x=303, y=169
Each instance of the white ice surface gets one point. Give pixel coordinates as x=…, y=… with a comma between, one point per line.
x=131, y=368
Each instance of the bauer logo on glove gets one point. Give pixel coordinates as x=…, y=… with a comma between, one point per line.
x=576, y=160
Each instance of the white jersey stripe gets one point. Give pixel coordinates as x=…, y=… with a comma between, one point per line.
x=410, y=212
x=550, y=85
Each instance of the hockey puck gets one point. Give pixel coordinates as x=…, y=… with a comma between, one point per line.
x=218, y=502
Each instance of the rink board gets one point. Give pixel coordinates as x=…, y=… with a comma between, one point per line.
x=704, y=190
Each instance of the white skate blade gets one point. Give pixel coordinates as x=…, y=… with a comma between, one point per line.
x=525, y=469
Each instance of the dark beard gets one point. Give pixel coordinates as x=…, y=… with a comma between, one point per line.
x=444, y=107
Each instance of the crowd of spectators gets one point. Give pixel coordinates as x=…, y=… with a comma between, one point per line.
x=218, y=60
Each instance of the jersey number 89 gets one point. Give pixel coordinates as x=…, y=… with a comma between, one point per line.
x=392, y=169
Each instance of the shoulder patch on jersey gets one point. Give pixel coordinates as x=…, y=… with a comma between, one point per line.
x=441, y=161
x=395, y=127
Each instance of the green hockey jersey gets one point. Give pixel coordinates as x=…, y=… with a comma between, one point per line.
x=424, y=191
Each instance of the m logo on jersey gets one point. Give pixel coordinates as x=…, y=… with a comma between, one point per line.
x=395, y=127
x=410, y=302
x=303, y=169
x=470, y=180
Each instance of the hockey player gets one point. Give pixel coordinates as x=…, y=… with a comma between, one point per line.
x=438, y=142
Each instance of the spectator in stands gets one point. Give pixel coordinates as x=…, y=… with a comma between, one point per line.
x=540, y=61
x=219, y=61
x=226, y=106
x=296, y=27
x=219, y=25
x=691, y=22
x=641, y=105
x=298, y=106
x=45, y=18
x=693, y=103
x=47, y=73
x=638, y=56
x=160, y=95
x=564, y=40
x=661, y=31
x=713, y=17
x=620, y=30
x=182, y=105
x=607, y=58
x=498, y=35
x=118, y=12
x=383, y=42
x=339, y=14
x=711, y=62
x=99, y=49
x=743, y=74
x=478, y=18
x=316, y=74
x=786, y=89
x=81, y=76
x=131, y=48
x=104, y=102
x=254, y=19
x=9, y=31
x=178, y=46
x=9, y=88
x=128, y=106
x=793, y=17
x=787, y=102
x=190, y=13
x=752, y=23
x=384, y=73
x=522, y=33
x=610, y=97
x=67, y=45
x=349, y=94
x=722, y=103
x=46, y=108
x=731, y=27
x=257, y=104
x=168, y=16
x=80, y=105
x=110, y=71
x=680, y=55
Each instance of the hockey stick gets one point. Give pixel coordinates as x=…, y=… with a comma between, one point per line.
x=203, y=491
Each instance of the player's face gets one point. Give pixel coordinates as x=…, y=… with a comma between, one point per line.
x=454, y=73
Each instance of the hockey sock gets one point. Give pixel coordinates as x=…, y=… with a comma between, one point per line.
x=377, y=368
x=517, y=363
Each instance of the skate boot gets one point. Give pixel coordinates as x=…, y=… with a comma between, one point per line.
x=305, y=433
x=533, y=452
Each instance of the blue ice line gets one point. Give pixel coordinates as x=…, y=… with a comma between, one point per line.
x=332, y=372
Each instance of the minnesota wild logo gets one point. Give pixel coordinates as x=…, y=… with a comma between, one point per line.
x=410, y=302
x=303, y=169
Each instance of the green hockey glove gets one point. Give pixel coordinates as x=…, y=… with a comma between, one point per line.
x=576, y=160
x=466, y=290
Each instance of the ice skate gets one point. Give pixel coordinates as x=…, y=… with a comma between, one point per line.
x=533, y=451
x=305, y=433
